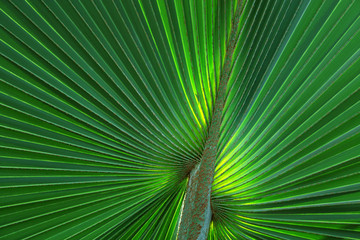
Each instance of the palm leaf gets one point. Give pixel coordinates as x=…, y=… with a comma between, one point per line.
x=105, y=107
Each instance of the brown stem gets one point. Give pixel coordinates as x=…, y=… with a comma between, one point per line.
x=196, y=214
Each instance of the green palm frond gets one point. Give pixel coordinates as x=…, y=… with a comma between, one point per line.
x=105, y=108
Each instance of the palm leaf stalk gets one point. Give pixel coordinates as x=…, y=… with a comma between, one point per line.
x=196, y=214
x=107, y=109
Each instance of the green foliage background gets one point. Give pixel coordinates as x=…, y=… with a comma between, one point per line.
x=105, y=105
